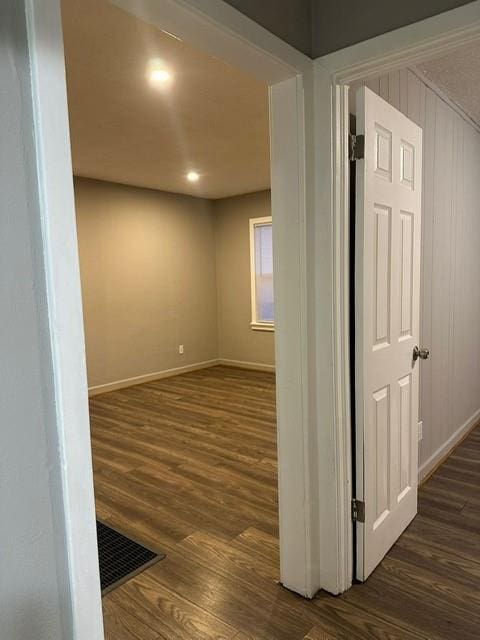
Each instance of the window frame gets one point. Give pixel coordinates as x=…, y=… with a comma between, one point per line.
x=255, y=324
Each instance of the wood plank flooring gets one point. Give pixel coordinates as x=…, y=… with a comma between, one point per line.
x=188, y=465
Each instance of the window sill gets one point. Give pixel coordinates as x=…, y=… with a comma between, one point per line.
x=262, y=326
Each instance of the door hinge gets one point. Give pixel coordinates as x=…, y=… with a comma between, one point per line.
x=358, y=510
x=356, y=147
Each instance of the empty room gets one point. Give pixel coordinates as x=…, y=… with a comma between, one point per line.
x=171, y=162
x=240, y=351
x=170, y=151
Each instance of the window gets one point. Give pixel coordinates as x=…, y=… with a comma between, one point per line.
x=261, y=260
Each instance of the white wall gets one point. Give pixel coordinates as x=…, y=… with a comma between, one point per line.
x=33, y=577
x=450, y=291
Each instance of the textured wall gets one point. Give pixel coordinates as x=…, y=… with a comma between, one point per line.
x=340, y=23
x=290, y=20
x=147, y=261
x=237, y=341
x=33, y=577
x=450, y=296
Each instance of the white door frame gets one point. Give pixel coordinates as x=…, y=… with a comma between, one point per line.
x=217, y=28
x=333, y=74
x=309, y=117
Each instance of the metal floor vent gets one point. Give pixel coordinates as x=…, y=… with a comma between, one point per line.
x=121, y=558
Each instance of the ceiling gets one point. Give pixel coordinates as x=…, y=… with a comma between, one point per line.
x=211, y=118
x=458, y=75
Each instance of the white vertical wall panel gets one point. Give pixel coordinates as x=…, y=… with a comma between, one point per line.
x=450, y=291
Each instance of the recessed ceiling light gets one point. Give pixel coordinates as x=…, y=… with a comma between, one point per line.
x=193, y=176
x=158, y=73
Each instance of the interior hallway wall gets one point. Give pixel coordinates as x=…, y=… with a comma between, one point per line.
x=147, y=262
x=34, y=577
x=237, y=340
x=450, y=292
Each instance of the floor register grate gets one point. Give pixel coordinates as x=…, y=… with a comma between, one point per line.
x=121, y=558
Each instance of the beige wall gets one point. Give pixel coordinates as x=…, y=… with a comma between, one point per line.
x=147, y=262
x=237, y=341
x=159, y=270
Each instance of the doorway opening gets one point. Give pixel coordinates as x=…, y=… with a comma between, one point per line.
x=325, y=450
x=177, y=240
x=423, y=282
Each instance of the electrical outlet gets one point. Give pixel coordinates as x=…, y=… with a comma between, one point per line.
x=180, y=349
x=420, y=431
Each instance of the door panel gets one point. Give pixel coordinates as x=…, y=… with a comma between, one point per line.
x=387, y=288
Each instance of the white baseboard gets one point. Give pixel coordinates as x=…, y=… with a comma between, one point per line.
x=149, y=377
x=443, y=451
x=255, y=366
x=168, y=373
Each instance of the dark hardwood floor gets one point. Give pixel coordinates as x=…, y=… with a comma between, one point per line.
x=188, y=465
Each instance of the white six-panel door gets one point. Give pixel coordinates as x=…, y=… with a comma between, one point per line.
x=387, y=290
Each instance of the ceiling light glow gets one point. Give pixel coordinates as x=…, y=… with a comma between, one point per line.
x=158, y=73
x=193, y=176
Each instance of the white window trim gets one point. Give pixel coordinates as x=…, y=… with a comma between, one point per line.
x=262, y=326
x=255, y=324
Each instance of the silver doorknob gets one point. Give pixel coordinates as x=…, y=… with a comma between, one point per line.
x=423, y=354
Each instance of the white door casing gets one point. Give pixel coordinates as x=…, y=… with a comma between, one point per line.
x=398, y=48
x=387, y=312
x=215, y=27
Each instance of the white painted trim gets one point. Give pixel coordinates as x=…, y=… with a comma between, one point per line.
x=407, y=46
x=212, y=26
x=443, y=96
x=303, y=437
x=176, y=371
x=311, y=243
x=332, y=329
x=215, y=27
x=150, y=377
x=253, y=224
x=442, y=452
x=241, y=364
x=342, y=355
x=262, y=326
x=401, y=48
x=64, y=300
